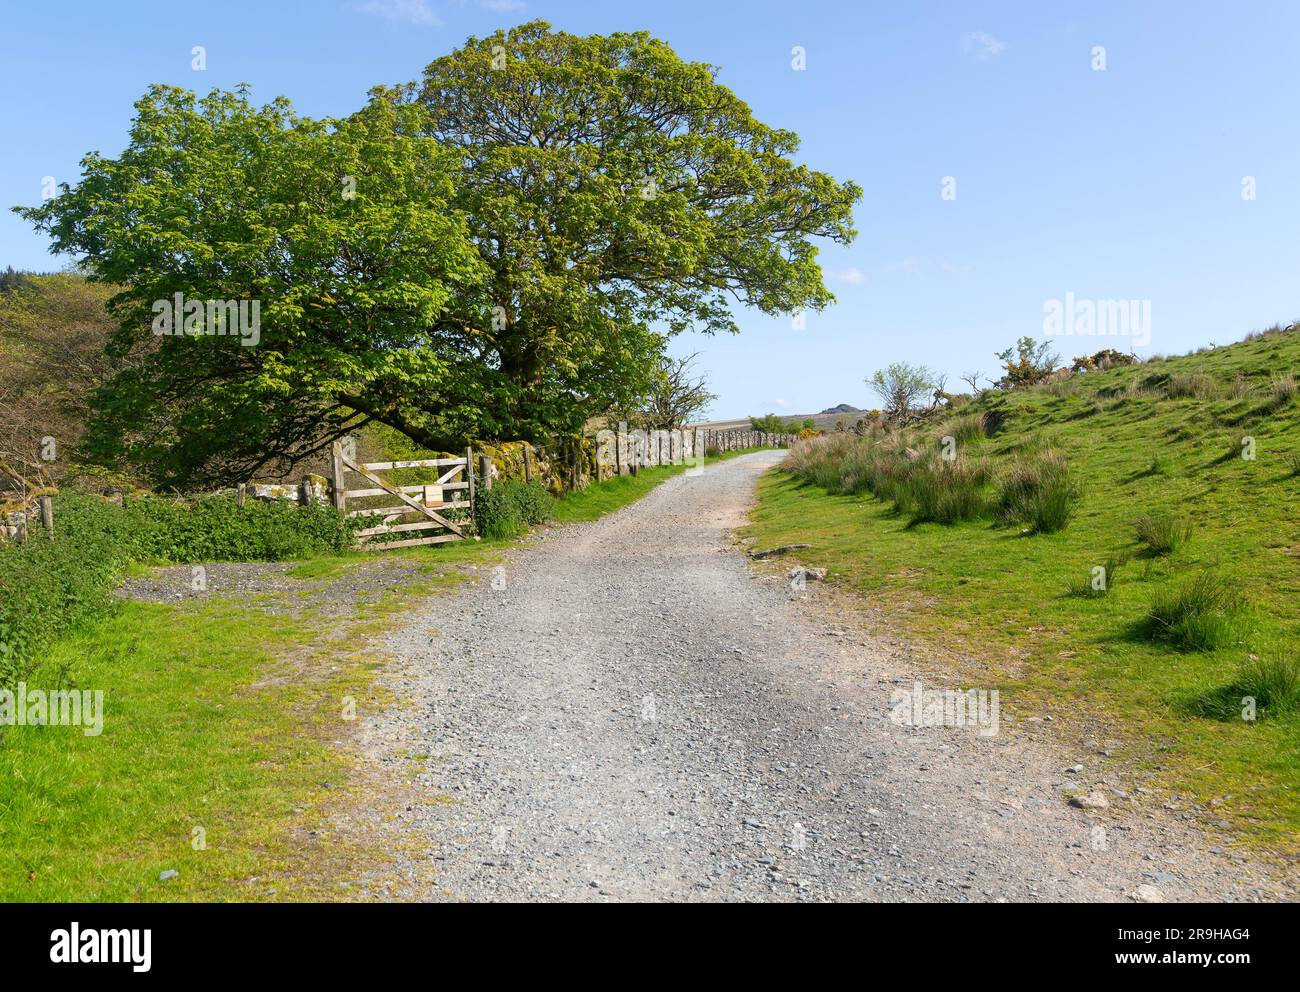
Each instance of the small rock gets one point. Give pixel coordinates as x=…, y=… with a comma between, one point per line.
x=1147, y=893
x=169, y=873
x=1093, y=800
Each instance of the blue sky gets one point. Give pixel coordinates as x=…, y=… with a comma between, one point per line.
x=1124, y=183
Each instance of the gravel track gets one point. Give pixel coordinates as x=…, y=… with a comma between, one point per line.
x=626, y=711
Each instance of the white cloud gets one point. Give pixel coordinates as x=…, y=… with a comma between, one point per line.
x=908, y=265
x=982, y=45
x=781, y=403
x=850, y=275
x=503, y=6
x=410, y=11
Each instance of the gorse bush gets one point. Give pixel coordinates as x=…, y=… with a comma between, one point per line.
x=1163, y=533
x=509, y=507
x=1038, y=492
x=1202, y=614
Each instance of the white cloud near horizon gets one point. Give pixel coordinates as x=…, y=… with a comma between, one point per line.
x=982, y=45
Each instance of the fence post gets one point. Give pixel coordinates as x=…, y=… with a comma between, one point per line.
x=469, y=477
x=485, y=471
x=336, y=480
x=241, y=491
x=47, y=515
x=528, y=467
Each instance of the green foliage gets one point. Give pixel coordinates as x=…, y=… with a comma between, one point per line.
x=48, y=586
x=1202, y=614
x=215, y=528
x=770, y=423
x=1163, y=533
x=1027, y=363
x=1037, y=491
x=509, y=507
x=902, y=387
x=340, y=230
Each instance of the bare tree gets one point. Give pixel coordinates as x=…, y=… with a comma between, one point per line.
x=679, y=395
x=972, y=379
x=902, y=388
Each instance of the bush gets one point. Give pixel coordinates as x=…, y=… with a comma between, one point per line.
x=48, y=586
x=1201, y=615
x=1274, y=685
x=1038, y=492
x=1163, y=533
x=216, y=528
x=509, y=507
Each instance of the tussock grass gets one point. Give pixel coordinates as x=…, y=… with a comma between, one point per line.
x=1202, y=614
x=1091, y=585
x=1196, y=385
x=1272, y=685
x=1038, y=492
x=1163, y=533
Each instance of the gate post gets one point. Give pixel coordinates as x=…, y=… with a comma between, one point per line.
x=338, y=472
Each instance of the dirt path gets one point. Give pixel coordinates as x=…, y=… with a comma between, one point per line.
x=625, y=711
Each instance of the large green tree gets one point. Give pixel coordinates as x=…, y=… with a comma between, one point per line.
x=341, y=230
x=616, y=193
x=500, y=250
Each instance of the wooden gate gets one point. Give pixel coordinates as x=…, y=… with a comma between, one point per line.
x=426, y=502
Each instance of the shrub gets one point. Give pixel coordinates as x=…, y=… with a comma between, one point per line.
x=48, y=586
x=1162, y=533
x=1200, y=615
x=216, y=528
x=1038, y=492
x=1292, y=459
x=509, y=507
x=1273, y=684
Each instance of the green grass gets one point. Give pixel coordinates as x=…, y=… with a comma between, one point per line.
x=1014, y=605
x=219, y=715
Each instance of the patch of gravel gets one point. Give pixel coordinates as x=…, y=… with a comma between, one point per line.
x=626, y=711
x=269, y=586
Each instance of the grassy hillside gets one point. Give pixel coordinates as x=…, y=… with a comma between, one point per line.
x=1012, y=608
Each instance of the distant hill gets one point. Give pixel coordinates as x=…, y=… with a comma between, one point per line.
x=843, y=408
